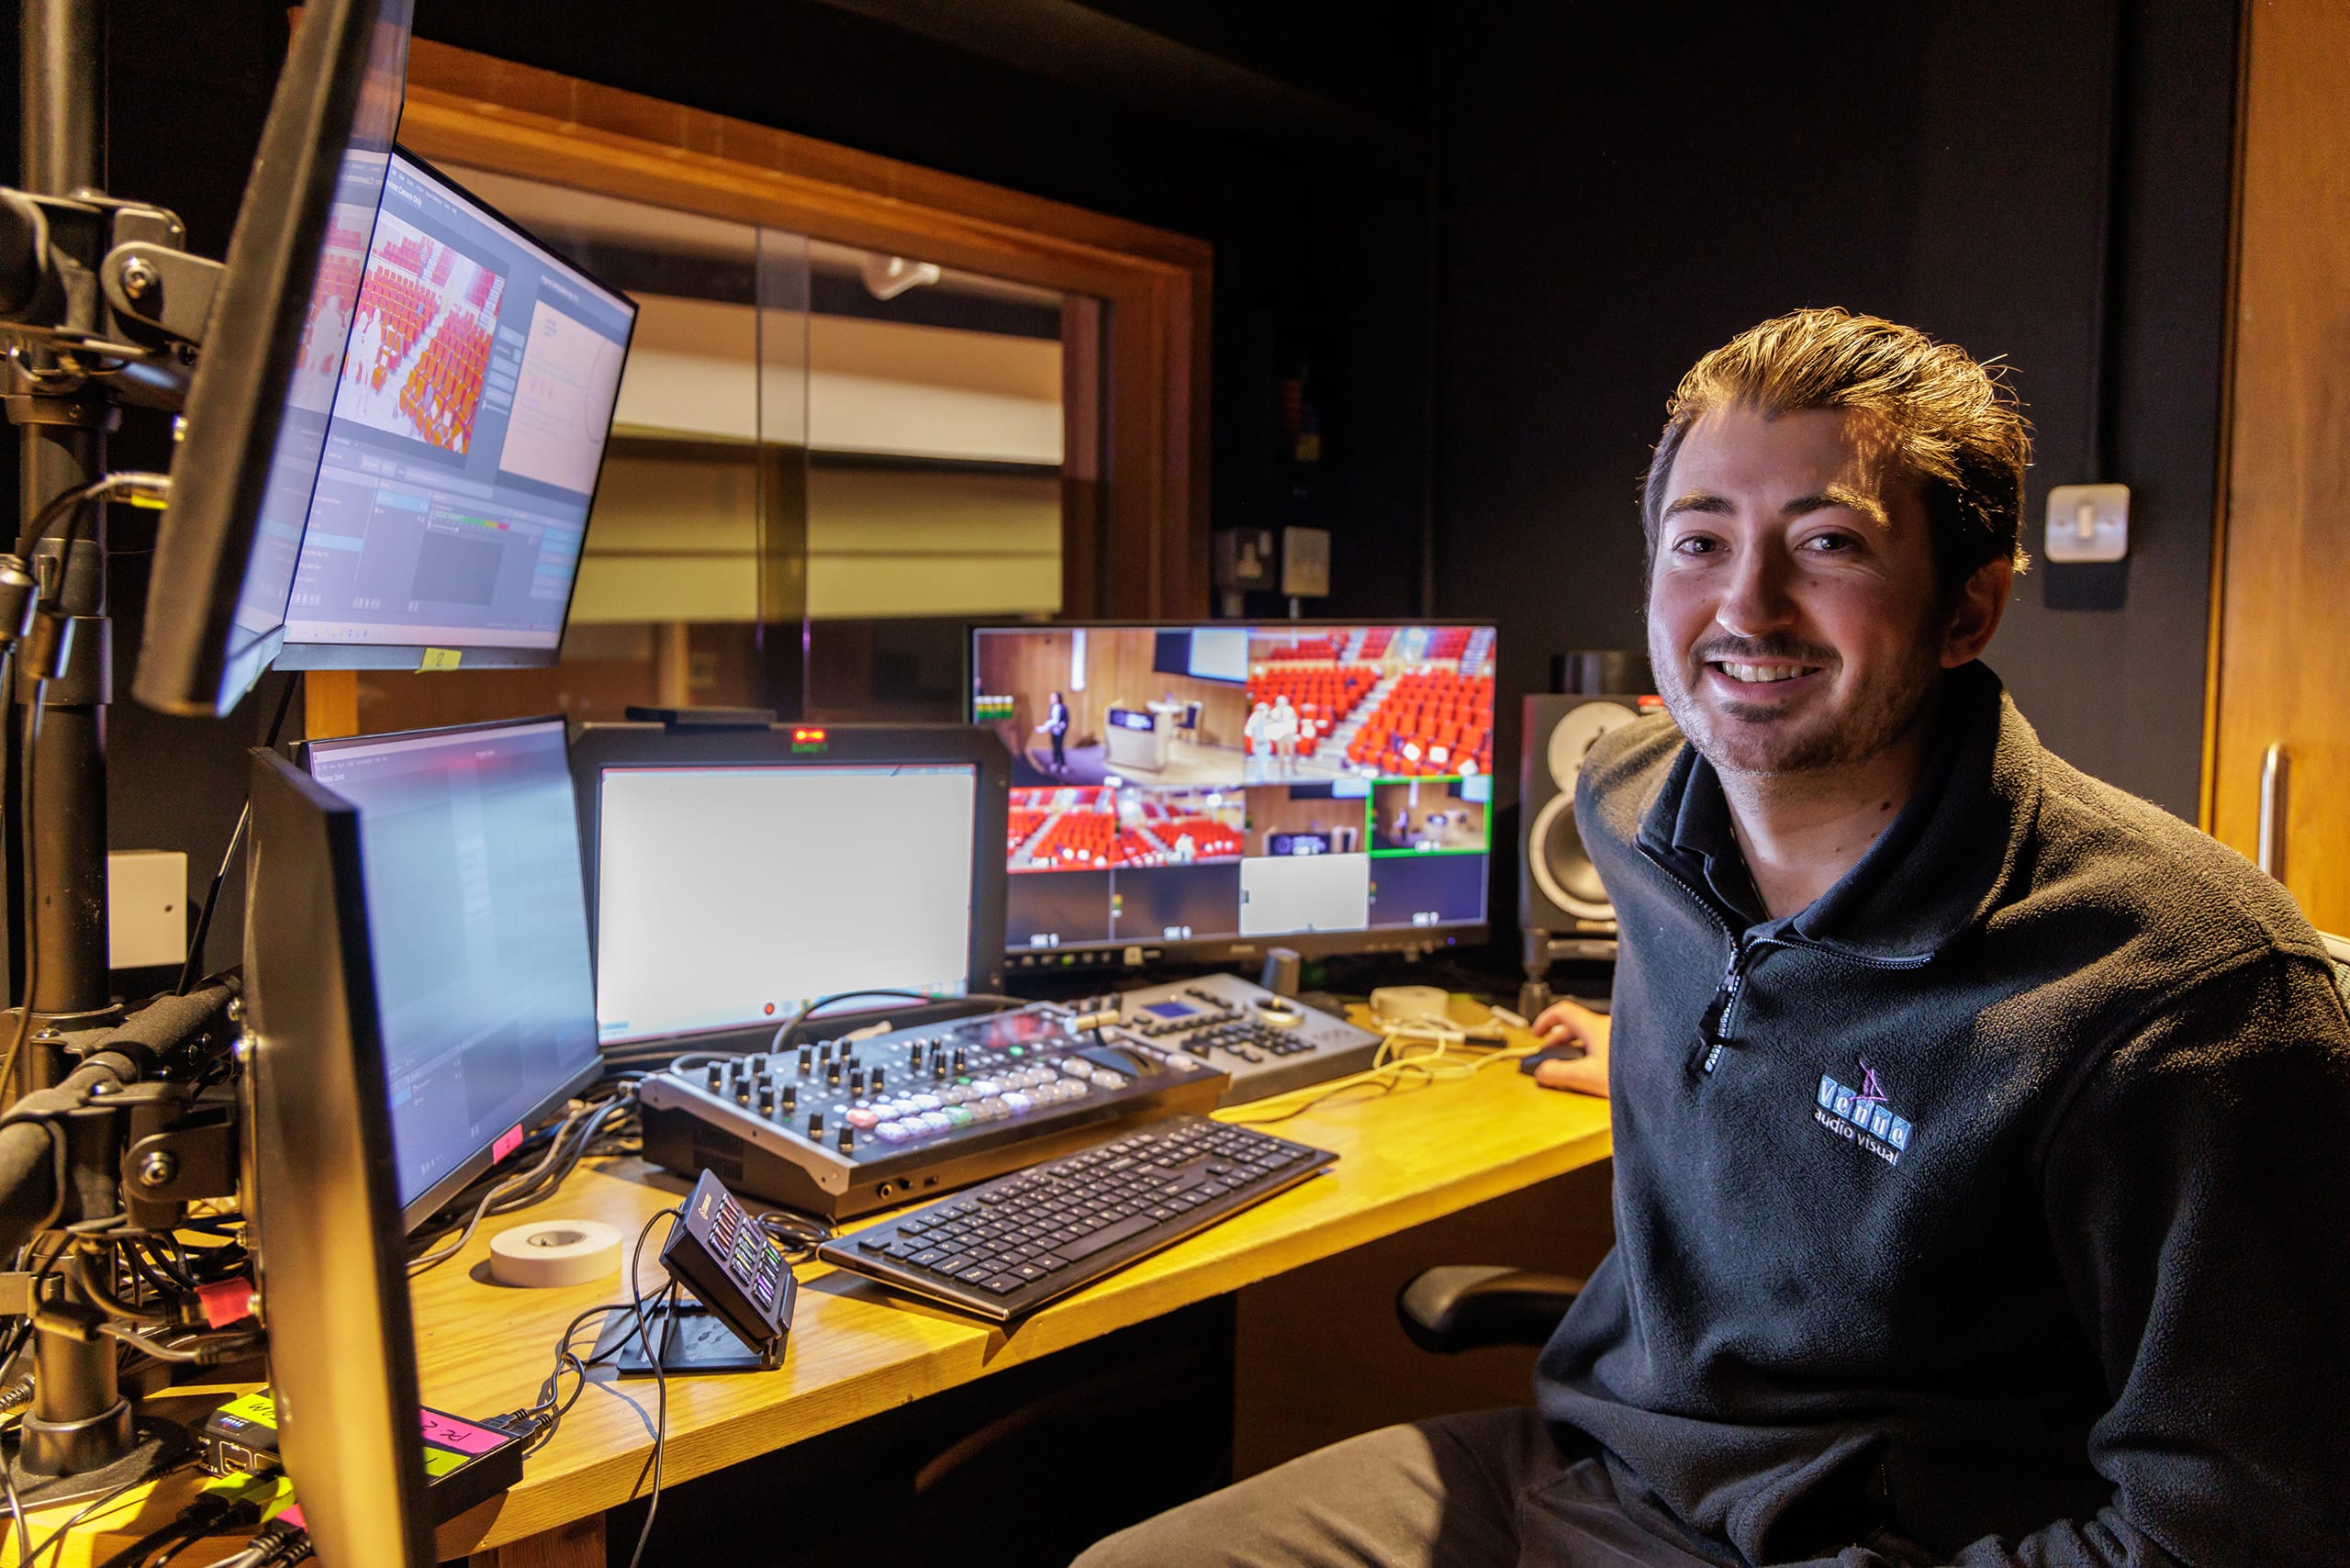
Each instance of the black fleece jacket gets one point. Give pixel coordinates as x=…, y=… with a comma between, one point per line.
x=1995, y=1209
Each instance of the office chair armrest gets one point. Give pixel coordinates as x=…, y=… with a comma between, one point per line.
x=1470, y=1306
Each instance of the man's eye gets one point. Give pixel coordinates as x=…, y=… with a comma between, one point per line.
x=1829, y=544
x=1694, y=545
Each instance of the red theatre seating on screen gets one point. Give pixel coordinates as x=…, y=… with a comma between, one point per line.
x=1430, y=722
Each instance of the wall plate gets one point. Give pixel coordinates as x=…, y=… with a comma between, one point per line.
x=2089, y=522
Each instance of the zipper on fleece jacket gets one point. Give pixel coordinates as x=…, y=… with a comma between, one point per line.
x=1714, y=1034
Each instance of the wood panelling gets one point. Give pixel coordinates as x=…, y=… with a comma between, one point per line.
x=1273, y=809
x=2281, y=656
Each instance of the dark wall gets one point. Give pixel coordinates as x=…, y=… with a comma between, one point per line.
x=1619, y=196
x=1491, y=239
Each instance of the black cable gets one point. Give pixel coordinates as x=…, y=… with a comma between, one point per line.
x=71, y=502
x=32, y=890
x=193, y=965
x=660, y=1376
x=17, y=1511
x=665, y=1053
x=563, y=1152
x=57, y=1537
x=59, y=504
x=799, y=1234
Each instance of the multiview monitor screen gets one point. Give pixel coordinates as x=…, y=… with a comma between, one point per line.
x=1222, y=788
x=471, y=416
x=478, y=914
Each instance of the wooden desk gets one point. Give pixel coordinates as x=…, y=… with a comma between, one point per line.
x=1404, y=1157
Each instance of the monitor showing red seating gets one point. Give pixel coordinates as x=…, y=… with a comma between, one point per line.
x=1207, y=791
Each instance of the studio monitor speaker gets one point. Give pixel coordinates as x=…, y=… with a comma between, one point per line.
x=1560, y=892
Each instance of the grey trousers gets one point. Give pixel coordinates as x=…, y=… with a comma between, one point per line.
x=1488, y=1490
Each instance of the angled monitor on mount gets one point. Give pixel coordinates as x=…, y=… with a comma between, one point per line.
x=478, y=927
x=470, y=424
x=257, y=411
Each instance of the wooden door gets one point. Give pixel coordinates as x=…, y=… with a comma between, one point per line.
x=2281, y=664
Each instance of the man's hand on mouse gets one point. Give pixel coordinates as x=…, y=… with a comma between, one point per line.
x=1563, y=1021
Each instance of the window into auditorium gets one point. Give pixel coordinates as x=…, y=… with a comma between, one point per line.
x=839, y=438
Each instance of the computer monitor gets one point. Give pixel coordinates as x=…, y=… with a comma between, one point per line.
x=478, y=923
x=739, y=875
x=321, y=1197
x=469, y=428
x=1202, y=792
x=257, y=409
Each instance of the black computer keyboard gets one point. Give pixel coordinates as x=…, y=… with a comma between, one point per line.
x=1006, y=1247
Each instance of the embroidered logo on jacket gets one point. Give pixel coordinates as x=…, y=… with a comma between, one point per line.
x=1862, y=1115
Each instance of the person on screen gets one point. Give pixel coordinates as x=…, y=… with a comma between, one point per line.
x=1056, y=725
x=1980, y=1166
x=1258, y=732
x=1281, y=731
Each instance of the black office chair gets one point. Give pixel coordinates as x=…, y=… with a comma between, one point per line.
x=1469, y=1306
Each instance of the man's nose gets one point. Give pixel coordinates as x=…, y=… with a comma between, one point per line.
x=1757, y=601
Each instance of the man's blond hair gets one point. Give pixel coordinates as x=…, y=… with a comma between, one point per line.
x=1958, y=427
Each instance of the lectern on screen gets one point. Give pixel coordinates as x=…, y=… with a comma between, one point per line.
x=257, y=410
x=320, y=1193
x=1204, y=791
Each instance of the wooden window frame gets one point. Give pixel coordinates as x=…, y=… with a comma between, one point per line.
x=1135, y=540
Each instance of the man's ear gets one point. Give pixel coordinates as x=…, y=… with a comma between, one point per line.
x=1982, y=604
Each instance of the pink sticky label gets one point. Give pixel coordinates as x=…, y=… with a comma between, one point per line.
x=448, y=1432
x=292, y=1515
x=507, y=1142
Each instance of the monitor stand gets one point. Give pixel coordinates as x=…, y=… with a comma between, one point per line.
x=693, y=1340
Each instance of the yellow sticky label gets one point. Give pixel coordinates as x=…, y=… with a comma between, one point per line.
x=252, y=1407
x=442, y=658
x=439, y=1462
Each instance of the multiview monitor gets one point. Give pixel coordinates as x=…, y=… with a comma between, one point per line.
x=1205, y=791
x=740, y=875
x=471, y=415
x=477, y=918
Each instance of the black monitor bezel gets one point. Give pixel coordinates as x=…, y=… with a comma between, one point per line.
x=596, y=746
x=461, y=1175
x=318, y=1185
x=189, y=662
x=292, y=654
x=1212, y=950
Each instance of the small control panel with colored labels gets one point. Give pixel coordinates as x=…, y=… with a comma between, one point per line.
x=733, y=1267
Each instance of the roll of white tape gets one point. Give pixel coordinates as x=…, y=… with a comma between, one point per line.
x=555, y=1252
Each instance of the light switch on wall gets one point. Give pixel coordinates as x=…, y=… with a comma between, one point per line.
x=2089, y=522
x=146, y=908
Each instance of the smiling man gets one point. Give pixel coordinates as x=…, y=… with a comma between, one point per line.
x=1982, y=1133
